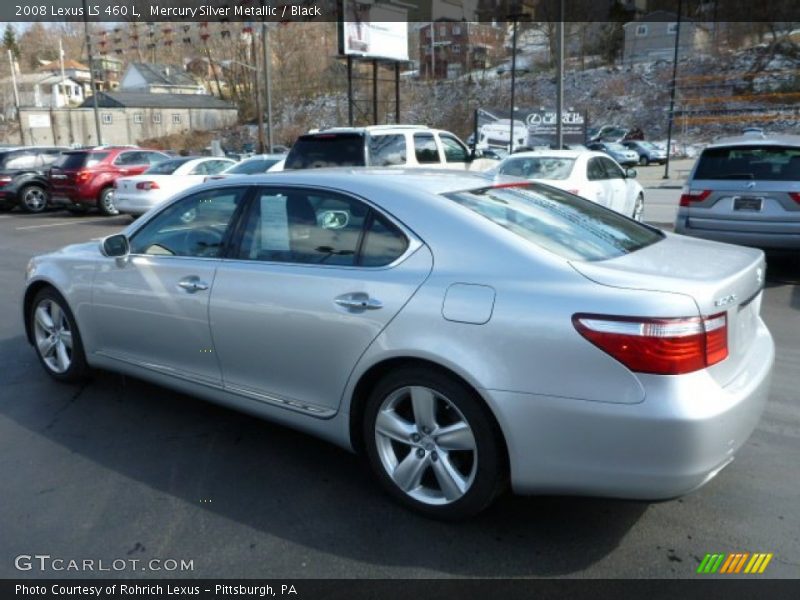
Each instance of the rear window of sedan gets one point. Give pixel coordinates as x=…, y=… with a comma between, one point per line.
x=756, y=162
x=538, y=167
x=569, y=226
x=252, y=166
x=327, y=150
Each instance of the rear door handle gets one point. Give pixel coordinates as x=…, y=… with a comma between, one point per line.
x=358, y=301
x=192, y=284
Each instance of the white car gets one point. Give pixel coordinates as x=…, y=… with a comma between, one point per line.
x=255, y=165
x=136, y=195
x=591, y=175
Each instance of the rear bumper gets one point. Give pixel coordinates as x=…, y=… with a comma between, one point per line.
x=134, y=205
x=685, y=431
x=756, y=239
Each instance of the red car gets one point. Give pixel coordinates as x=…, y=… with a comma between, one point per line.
x=84, y=179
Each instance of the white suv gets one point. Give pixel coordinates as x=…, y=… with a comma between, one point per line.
x=409, y=146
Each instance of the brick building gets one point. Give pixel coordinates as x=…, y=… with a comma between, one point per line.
x=459, y=47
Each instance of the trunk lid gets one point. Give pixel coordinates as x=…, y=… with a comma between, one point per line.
x=721, y=278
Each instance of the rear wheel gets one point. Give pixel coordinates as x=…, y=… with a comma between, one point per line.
x=33, y=198
x=106, y=203
x=56, y=338
x=644, y=161
x=638, y=208
x=432, y=444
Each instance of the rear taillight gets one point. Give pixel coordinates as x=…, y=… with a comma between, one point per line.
x=687, y=198
x=795, y=196
x=147, y=185
x=4, y=180
x=658, y=346
x=83, y=176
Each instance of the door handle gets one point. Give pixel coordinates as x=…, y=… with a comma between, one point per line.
x=192, y=284
x=358, y=301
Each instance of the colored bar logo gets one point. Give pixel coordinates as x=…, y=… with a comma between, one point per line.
x=737, y=562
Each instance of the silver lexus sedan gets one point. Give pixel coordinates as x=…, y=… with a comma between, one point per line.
x=460, y=332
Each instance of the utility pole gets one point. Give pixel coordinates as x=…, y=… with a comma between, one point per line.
x=259, y=112
x=64, y=91
x=91, y=74
x=16, y=95
x=515, y=17
x=267, y=79
x=560, y=82
x=672, y=91
x=433, y=52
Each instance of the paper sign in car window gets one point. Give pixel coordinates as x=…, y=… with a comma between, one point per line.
x=274, y=223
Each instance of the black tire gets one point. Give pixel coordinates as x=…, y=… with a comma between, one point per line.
x=33, y=199
x=489, y=475
x=77, y=209
x=105, y=203
x=78, y=368
x=644, y=161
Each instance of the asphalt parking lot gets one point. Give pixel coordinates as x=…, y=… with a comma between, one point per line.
x=121, y=469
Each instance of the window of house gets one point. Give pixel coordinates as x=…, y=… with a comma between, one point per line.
x=138, y=118
x=108, y=118
x=641, y=30
x=456, y=30
x=156, y=117
x=443, y=30
x=176, y=119
x=672, y=28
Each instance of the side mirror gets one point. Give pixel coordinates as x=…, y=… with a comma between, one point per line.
x=631, y=173
x=115, y=246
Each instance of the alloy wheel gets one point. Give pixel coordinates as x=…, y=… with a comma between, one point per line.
x=53, y=335
x=34, y=199
x=426, y=445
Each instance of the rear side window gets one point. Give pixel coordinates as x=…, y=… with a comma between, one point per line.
x=569, y=226
x=758, y=163
x=387, y=150
x=327, y=150
x=167, y=167
x=425, y=148
x=80, y=160
x=384, y=243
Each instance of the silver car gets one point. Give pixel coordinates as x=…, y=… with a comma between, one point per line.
x=459, y=331
x=745, y=190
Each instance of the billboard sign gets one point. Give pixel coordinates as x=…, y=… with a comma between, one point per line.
x=38, y=121
x=373, y=30
x=540, y=125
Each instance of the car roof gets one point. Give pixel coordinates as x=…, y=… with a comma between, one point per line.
x=757, y=140
x=274, y=156
x=431, y=181
x=550, y=153
x=370, y=129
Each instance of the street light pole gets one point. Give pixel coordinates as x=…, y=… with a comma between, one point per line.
x=91, y=74
x=560, y=83
x=515, y=17
x=672, y=91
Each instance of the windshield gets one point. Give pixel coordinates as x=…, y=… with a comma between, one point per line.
x=327, y=150
x=538, y=167
x=569, y=226
x=252, y=166
x=80, y=160
x=759, y=163
x=167, y=167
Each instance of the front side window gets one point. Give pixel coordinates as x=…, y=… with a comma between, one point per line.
x=569, y=226
x=595, y=170
x=613, y=171
x=425, y=148
x=318, y=227
x=454, y=151
x=192, y=227
x=387, y=150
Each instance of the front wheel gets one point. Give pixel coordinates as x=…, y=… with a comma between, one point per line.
x=106, y=203
x=33, y=199
x=433, y=444
x=56, y=338
x=638, y=208
x=644, y=161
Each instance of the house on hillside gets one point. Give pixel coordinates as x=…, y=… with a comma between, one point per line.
x=448, y=49
x=653, y=38
x=159, y=79
x=127, y=117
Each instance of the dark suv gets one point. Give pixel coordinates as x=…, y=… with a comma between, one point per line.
x=84, y=179
x=23, y=179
